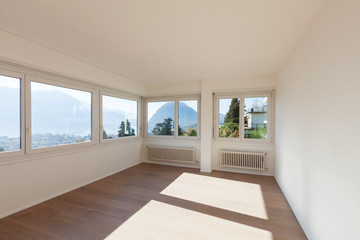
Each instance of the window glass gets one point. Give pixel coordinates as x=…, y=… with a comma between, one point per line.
x=59, y=115
x=255, y=117
x=229, y=117
x=10, y=114
x=160, y=118
x=188, y=118
x=119, y=117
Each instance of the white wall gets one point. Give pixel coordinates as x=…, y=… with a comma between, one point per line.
x=19, y=50
x=208, y=150
x=248, y=83
x=206, y=134
x=172, y=89
x=35, y=179
x=23, y=184
x=317, y=164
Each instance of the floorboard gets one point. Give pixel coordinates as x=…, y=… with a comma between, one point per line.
x=96, y=210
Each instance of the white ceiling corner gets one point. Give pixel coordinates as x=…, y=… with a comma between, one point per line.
x=166, y=40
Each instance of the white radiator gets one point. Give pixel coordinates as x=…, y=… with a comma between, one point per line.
x=244, y=160
x=171, y=154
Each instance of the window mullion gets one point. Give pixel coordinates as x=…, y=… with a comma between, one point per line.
x=216, y=118
x=241, y=120
x=22, y=115
x=176, y=120
x=140, y=122
x=101, y=124
x=27, y=86
x=95, y=117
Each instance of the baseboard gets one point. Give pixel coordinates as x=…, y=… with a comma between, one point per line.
x=284, y=193
x=186, y=165
x=243, y=171
x=2, y=215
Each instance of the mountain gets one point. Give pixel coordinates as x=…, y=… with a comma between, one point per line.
x=64, y=115
x=112, y=120
x=53, y=112
x=187, y=115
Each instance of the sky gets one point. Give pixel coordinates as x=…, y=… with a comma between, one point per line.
x=36, y=86
x=129, y=107
x=224, y=104
x=82, y=96
x=124, y=105
x=9, y=82
x=110, y=103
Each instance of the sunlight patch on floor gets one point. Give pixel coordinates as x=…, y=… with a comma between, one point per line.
x=236, y=196
x=162, y=221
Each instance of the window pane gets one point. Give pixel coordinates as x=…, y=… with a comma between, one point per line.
x=10, y=116
x=59, y=115
x=119, y=117
x=160, y=118
x=229, y=117
x=255, y=117
x=188, y=118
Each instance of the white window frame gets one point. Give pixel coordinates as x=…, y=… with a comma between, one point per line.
x=64, y=83
x=176, y=100
x=126, y=97
x=242, y=95
x=22, y=106
x=28, y=74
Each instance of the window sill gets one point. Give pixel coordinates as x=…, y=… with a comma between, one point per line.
x=56, y=151
x=248, y=142
x=172, y=138
x=119, y=140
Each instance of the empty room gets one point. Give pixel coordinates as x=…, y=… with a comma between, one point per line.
x=179, y=119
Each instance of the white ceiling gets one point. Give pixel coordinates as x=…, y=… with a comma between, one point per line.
x=156, y=41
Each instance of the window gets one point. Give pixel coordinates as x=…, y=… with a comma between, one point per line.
x=119, y=117
x=42, y=112
x=177, y=118
x=188, y=118
x=255, y=117
x=229, y=117
x=10, y=112
x=161, y=118
x=59, y=115
x=252, y=108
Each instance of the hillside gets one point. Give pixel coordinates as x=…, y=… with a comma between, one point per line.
x=65, y=114
x=187, y=115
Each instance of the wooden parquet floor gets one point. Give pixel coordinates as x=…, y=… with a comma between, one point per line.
x=94, y=211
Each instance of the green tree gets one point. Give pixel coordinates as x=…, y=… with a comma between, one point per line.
x=79, y=139
x=121, y=132
x=260, y=133
x=128, y=128
x=105, y=136
x=233, y=115
x=231, y=120
x=229, y=130
x=180, y=131
x=192, y=132
x=125, y=129
x=164, y=128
